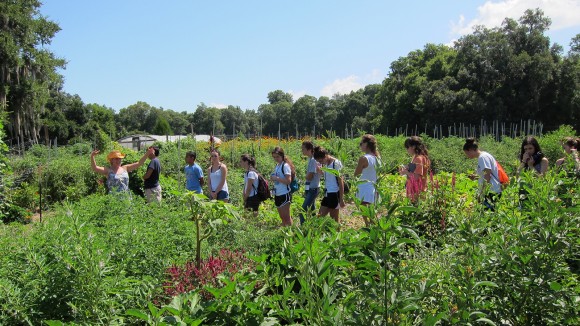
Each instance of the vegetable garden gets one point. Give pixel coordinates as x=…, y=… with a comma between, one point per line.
x=98, y=259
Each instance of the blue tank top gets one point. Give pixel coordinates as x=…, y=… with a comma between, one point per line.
x=118, y=182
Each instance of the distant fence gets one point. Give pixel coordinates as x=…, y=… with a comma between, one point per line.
x=495, y=129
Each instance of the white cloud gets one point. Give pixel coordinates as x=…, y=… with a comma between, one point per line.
x=342, y=86
x=374, y=77
x=297, y=94
x=352, y=83
x=218, y=105
x=563, y=13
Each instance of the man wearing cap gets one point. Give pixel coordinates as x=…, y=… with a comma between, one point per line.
x=151, y=177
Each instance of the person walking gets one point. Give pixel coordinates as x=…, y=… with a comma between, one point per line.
x=312, y=184
x=333, y=199
x=418, y=169
x=366, y=171
x=251, y=182
x=282, y=177
x=488, y=173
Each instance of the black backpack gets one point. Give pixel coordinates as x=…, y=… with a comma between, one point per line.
x=263, y=191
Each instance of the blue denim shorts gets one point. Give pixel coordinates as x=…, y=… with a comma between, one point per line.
x=223, y=195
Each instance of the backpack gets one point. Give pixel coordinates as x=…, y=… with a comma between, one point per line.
x=294, y=186
x=263, y=191
x=503, y=178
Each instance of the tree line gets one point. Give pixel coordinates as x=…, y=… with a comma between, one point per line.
x=506, y=73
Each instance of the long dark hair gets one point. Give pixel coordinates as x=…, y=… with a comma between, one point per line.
x=248, y=158
x=470, y=144
x=308, y=145
x=279, y=151
x=571, y=142
x=320, y=153
x=537, y=150
x=371, y=142
x=417, y=143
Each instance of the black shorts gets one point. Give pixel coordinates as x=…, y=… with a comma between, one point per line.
x=252, y=203
x=282, y=200
x=330, y=200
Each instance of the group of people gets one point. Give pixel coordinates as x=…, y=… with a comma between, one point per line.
x=320, y=166
x=531, y=159
x=118, y=175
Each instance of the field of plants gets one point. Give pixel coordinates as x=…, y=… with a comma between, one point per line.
x=95, y=258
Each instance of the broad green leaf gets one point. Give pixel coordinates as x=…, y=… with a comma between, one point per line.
x=139, y=314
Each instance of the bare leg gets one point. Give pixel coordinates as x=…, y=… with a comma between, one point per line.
x=284, y=212
x=323, y=211
x=335, y=213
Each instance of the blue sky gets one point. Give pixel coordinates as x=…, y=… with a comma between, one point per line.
x=180, y=53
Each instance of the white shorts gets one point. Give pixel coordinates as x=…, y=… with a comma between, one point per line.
x=366, y=193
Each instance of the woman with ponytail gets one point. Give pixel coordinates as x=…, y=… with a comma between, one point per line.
x=334, y=193
x=250, y=192
x=366, y=169
x=418, y=169
x=282, y=177
x=487, y=171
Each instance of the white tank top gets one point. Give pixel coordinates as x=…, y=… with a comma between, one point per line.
x=216, y=178
x=370, y=172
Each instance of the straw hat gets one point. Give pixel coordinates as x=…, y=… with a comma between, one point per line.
x=114, y=154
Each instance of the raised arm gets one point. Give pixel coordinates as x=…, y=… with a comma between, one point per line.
x=136, y=165
x=99, y=169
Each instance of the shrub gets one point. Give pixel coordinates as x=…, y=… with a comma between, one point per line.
x=189, y=277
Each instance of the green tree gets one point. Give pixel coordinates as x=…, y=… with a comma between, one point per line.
x=137, y=118
x=101, y=118
x=207, y=120
x=27, y=69
x=234, y=120
x=162, y=127
x=178, y=121
x=278, y=96
x=303, y=113
x=253, y=120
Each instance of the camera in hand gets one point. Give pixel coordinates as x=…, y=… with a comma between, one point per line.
x=537, y=157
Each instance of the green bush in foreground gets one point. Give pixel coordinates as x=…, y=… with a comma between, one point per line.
x=514, y=267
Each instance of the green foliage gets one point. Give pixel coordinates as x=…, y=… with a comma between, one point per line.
x=102, y=141
x=90, y=261
x=162, y=127
x=9, y=209
x=24, y=52
x=442, y=259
